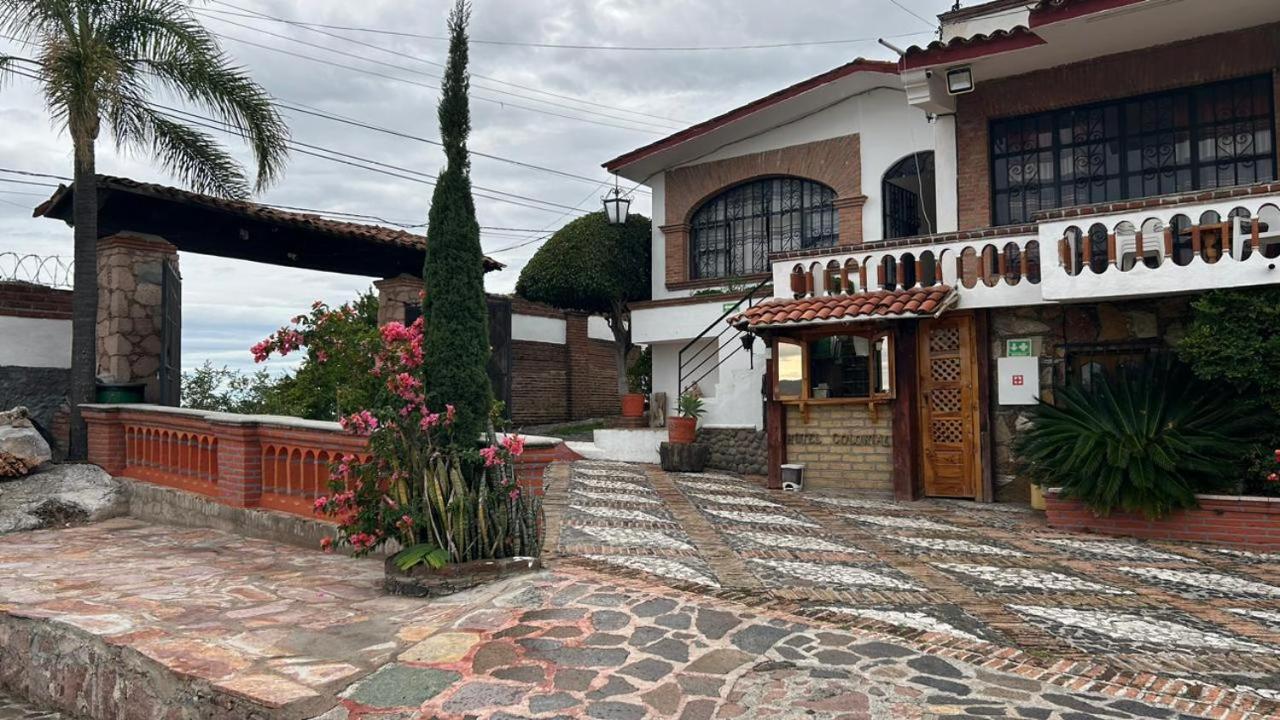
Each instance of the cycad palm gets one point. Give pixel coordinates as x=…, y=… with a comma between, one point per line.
x=100, y=64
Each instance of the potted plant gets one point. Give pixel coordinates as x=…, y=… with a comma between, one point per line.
x=683, y=429
x=638, y=384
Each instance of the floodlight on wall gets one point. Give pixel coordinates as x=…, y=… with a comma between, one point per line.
x=616, y=206
x=960, y=80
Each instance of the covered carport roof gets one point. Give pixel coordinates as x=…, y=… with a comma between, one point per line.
x=245, y=230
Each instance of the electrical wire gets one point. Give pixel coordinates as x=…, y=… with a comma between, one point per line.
x=626, y=48
x=666, y=127
x=254, y=14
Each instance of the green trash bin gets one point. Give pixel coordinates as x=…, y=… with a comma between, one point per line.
x=118, y=393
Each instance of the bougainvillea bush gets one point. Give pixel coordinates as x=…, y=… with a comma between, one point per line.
x=421, y=489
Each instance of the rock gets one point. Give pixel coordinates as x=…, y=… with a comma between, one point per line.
x=22, y=448
x=59, y=495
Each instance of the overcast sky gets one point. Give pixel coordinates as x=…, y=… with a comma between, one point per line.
x=636, y=97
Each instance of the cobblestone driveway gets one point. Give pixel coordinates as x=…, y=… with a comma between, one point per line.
x=947, y=574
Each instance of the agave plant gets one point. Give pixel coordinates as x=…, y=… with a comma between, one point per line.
x=1142, y=443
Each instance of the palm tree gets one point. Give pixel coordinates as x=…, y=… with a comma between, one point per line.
x=100, y=64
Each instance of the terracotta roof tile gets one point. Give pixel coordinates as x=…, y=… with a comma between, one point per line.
x=877, y=305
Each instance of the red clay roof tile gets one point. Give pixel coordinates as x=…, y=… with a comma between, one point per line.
x=876, y=305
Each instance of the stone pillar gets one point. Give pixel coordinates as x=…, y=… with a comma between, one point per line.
x=130, y=270
x=396, y=296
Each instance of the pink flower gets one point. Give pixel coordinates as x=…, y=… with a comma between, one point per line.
x=450, y=412
x=492, y=455
x=514, y=444
x=515, y=494
x=320, y=503
x=326, y=544
x=361, y=423
x=322, y=356
x=261, y=350
x=429, y=421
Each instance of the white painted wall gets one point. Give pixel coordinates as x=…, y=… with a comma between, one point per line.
x=598, y=328
x=536, y=328
x=35, y=342
x=946, y=173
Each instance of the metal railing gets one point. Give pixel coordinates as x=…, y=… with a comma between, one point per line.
x=57, y=271
x=709, y=351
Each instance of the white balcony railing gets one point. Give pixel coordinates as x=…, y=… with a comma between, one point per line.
x=1198, y=246
x=988, y=272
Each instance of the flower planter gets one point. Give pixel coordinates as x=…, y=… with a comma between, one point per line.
x=1241, y=520
x=633, y=405
x=426, y=581
x=682, y=430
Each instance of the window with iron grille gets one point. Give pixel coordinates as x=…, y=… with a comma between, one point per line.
x=733, y=233
x=1194, y=138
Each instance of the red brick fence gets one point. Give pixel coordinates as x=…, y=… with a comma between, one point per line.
x=1242, y=520
x=272, y=462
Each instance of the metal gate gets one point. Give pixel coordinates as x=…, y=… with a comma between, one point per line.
x=170, y=335
x=499, y=367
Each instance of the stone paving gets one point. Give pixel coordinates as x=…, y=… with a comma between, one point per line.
x=710, y=608
x=942, y=573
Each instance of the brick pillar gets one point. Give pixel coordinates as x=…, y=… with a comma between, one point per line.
x=849, y=214
x=396, y=295
x=239, y=463
x=578, y=363
x=130, y=268
x=676, y=245
x=106, y=439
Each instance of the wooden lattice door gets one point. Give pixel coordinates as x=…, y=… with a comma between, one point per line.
x=949, y=389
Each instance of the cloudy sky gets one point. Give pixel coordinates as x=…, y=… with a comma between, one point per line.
x=565, y=109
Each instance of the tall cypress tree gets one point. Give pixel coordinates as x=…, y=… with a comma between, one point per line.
x=456, y=334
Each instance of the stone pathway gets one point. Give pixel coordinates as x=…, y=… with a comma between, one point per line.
x=13, y=709
x=939, y=572
x=704, y=607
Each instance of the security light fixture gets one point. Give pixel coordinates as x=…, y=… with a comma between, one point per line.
x=960, y=80
x=615, y=205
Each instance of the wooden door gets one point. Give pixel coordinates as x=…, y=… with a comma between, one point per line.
x=949, y=387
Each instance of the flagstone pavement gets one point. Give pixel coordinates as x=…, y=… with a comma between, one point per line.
x=718, y=600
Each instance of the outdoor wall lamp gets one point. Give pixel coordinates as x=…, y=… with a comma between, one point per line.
x=615, y=205
x=748, y=341
x=960, y=80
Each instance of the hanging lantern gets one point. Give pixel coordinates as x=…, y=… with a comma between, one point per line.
x=616, y=207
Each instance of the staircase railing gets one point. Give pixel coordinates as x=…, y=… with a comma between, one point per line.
x=693, y=358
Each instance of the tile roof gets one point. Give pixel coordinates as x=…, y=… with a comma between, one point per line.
x=961, y=48
x=876, y=305
x=254, y=211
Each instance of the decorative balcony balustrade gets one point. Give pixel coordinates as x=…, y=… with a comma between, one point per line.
x=989, y=272
x=278, y=463
x=1230, y=241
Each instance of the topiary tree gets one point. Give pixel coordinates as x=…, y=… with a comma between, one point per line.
x=593, y=267
x=455, y=316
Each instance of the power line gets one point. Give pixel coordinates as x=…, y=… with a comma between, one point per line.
x=626, y=48
x=28, y=173
x=355, y=160
x=308, y=110
x=256, y=15
x=914, y=14
x=28, y=182
x=402, y=68
x=384, y=76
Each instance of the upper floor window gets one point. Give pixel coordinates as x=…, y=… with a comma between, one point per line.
x=733, y=233
x=908, y=197
x=1193, y=138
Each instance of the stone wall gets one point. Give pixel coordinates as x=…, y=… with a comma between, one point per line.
x=843, y=447
x=35, y=372
x=740, y=450
x=1055, y=330
x=130, y=272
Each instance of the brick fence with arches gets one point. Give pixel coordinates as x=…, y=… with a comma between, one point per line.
x=247, y=461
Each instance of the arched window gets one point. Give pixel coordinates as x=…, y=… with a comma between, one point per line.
x=733, y=233
x=908, y=197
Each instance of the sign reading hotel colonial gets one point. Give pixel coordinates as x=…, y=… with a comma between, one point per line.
x=840, y=439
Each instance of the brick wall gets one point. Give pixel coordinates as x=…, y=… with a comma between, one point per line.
x=1201, y=60
x=842, y=447
x=1252, y=522
x=20, y=299
x=554, y=383
x=835, y=162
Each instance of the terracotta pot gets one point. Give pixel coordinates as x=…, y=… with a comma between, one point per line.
x=633, y=405
x=682, y=430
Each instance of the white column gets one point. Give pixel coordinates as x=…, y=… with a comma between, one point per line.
x=945, y=172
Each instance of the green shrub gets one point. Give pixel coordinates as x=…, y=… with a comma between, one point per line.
x=640, y=372
x=1144, y=442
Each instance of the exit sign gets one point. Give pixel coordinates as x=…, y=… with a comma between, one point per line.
x=1019, y=347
